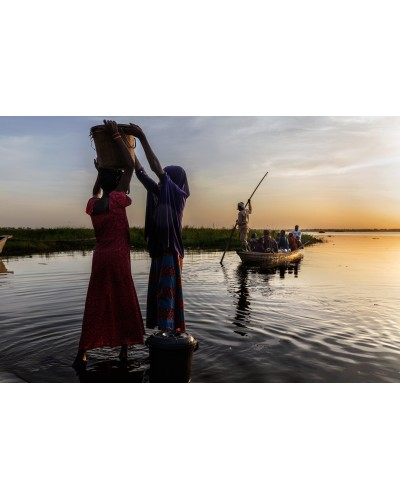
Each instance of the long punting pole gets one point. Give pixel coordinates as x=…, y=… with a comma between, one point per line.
x=234, y=227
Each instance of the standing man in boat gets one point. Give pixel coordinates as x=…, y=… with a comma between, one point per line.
x=243, y=223
x=297, y=235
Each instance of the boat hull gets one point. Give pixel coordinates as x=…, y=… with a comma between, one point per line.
x=3, y=240
x=270, y=259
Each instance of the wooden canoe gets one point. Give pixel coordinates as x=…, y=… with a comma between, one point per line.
x=270, y=259
x=3, y=240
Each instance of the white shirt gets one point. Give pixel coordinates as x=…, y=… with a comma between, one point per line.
x=297, y=235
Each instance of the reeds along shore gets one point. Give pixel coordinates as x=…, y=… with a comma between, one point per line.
x=28, y=241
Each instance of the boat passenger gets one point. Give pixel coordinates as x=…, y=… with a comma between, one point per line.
x=253, y=242
x=259, y=246
x=283, y=243
x=292, y=242
x=269, y=244
x=297, y=235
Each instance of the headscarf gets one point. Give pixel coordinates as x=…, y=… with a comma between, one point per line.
x=164, y=210
x=178, y=176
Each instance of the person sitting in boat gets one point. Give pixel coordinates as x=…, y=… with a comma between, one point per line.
x=297, y=235
x=283, y=243
x=268, y=243
x=259, y=245
x=243, y=223
x=253, y=242
x=292, y=242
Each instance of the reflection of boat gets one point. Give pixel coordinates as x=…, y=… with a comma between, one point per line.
x=3, y=269
x=3, y=240
x=270, y=259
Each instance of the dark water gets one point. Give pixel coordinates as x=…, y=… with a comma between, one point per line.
x=332, y=318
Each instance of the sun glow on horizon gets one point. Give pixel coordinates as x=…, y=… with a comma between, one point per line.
x=323, y=172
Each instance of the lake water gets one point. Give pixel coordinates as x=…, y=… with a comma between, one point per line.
x=334, y=317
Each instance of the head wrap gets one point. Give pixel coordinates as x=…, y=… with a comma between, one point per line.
x=178, y=176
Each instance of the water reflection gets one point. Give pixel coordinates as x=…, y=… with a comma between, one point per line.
x=258, y=279
x=338, y=323
x=3, y=269
x=283, y=270
x=293, y=268
x=242, y=316
x=112, y=371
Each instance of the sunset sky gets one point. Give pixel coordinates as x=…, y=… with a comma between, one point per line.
x=323, y=172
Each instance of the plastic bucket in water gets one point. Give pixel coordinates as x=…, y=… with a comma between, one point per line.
x=171, y=356
x=108, y=152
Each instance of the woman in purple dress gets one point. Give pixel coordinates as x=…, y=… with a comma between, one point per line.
x=163, y=231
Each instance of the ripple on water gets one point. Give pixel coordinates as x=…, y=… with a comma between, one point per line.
x=309, y=324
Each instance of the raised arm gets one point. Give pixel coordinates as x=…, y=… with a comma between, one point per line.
x=155, y=165
x=129, y=164
x=138, y=165
x=147, y=182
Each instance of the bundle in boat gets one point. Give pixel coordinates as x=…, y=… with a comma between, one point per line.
x=108, y=152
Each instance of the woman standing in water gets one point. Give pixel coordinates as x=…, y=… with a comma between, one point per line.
x=163, y=231
x=112, y=314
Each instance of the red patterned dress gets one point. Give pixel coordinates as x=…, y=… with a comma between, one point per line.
x=112, y=314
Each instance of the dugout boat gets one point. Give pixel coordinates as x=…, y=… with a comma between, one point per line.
x=270, y=259
x=3, y=240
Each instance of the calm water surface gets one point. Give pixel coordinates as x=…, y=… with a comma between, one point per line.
x=332, y=318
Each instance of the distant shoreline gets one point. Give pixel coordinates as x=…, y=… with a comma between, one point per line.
x=314, y=230
x=27, y=241
x=352, y=230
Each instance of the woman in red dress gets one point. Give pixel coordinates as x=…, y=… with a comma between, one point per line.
x=112, y=315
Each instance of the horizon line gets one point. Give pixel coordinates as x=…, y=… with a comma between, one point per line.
x=337, y=230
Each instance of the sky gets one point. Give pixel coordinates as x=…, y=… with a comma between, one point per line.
x=323, y=171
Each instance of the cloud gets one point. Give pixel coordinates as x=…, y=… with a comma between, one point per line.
x=320, y=158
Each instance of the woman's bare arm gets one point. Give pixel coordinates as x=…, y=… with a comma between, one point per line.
x=155, y=165
x=129, y=164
